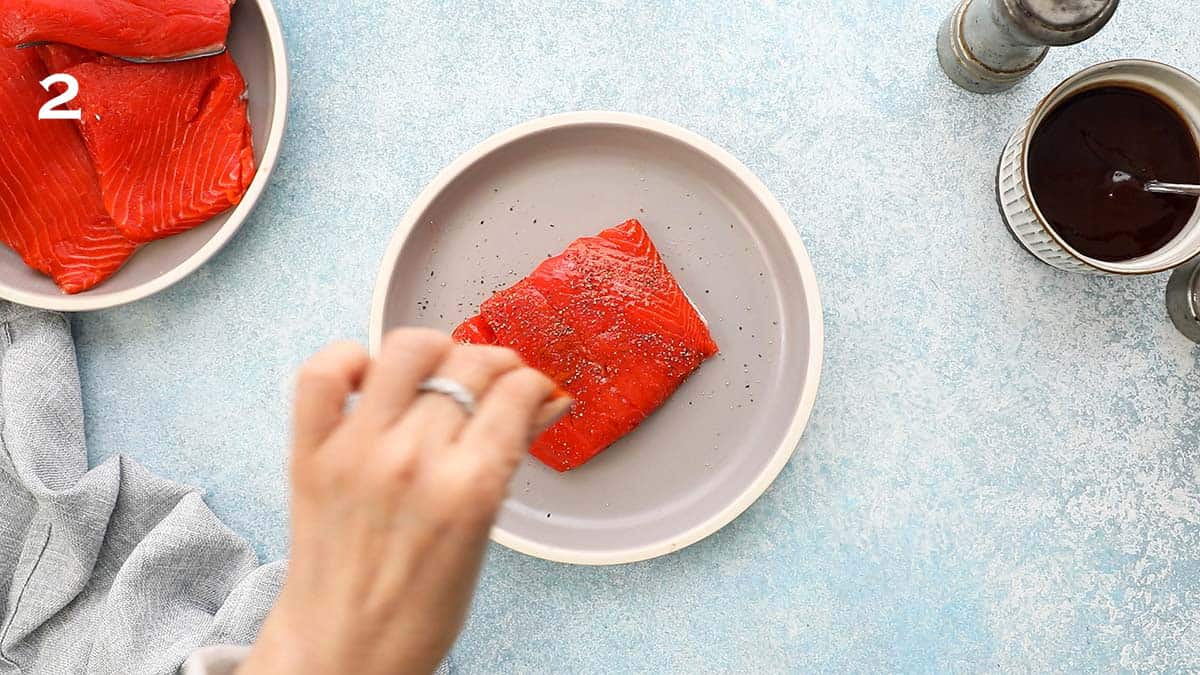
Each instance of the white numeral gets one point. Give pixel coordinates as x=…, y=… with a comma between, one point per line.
x=48, y=111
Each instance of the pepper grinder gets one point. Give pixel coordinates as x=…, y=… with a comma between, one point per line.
x=1183, y=299
x=988, y=46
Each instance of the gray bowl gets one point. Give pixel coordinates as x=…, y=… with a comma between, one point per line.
x=719, y=442
x=256, y=43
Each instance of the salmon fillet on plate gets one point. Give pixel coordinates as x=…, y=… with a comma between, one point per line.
x=607, y=321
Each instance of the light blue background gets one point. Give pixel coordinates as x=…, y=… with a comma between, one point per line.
x=1001, y=472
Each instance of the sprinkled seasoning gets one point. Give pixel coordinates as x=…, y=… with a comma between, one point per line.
x=607, y=322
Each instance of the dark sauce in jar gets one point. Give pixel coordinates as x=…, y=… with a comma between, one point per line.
x=1089, y=161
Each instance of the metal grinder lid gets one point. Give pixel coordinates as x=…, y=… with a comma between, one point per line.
x=1059, y=22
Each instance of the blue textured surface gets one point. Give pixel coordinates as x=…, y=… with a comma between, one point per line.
x=1002, y=469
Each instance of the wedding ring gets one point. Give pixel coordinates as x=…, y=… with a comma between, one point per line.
x=455, y=390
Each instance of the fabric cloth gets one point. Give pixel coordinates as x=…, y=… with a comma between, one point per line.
x=111, y=570
x=216, y=660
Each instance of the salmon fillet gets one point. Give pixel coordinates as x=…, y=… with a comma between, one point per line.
x=170, y=141
x=141, y=29
x=606, y=320
x=51, y=211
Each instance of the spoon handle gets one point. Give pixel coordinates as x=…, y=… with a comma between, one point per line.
x=132, y=59
x=1173, y=188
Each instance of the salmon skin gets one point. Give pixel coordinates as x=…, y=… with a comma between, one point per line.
x=51, y=212
x=134, y=29
x=608, y=323
x=170, y=141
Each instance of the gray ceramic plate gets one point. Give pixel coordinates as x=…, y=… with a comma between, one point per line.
x=256, y=43
x=717, y=444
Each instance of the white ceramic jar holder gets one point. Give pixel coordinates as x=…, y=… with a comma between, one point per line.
x=1029, y=226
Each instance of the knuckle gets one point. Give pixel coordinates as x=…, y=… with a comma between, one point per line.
x=400, y=468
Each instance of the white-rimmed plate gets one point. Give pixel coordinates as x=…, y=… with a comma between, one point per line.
x=720, y=441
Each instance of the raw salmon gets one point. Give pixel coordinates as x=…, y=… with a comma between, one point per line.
x=607, y=321
x=139, y=29
x=170, y=141
x=58, y=58
x=51, y=212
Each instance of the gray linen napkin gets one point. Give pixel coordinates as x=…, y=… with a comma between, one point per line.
x=111, y=570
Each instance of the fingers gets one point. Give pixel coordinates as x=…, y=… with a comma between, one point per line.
x=509, y=415
x=436, y=417
x=408, y=357
x=473, y=473
x=322, y=387
x=551, y=412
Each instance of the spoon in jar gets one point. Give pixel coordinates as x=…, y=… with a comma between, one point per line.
x=1162, y=188
x=1156, y=186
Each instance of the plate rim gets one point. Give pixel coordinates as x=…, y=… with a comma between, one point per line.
x=82, y=302
x=779, y=217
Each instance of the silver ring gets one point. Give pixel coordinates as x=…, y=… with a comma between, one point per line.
x=455, y=390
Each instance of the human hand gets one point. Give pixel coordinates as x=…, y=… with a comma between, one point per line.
x=393, y=500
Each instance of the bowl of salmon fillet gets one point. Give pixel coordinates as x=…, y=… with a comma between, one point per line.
x=661, y=286
x=134, y=142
